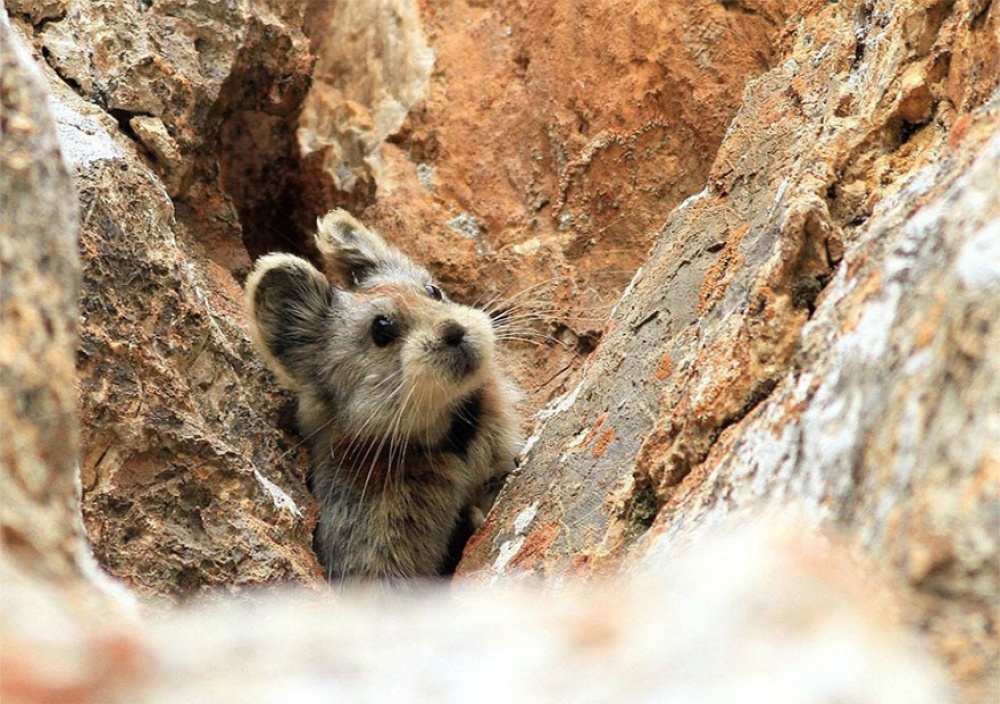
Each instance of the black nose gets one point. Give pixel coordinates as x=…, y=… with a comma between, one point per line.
x=452, y=333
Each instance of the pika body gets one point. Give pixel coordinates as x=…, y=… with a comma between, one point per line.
x=410, y=422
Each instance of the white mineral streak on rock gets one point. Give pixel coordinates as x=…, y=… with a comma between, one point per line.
x=279, y=497
x=511, y=547
x=83, y=142
x=555, y=407
x=508, y=550
x=525, y=518
x=630, y=289
x=689, y=201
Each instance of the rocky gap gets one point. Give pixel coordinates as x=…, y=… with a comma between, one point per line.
x=641, y=510
x=274, y=190
x=73, y=84
x=122, y=117
x=259, y=163
x=979, y=19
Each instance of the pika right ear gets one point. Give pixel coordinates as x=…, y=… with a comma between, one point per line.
x=288, y=300
x=356, y=254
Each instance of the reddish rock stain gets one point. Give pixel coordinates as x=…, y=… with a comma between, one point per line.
x=664, y=368
x=602, y=443
x=594, y=430
x=535, y=546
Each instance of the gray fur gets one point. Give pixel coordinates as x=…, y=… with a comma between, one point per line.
x=404, y=437
x=360, y=257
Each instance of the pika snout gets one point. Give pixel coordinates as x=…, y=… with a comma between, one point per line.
x=452, y=333
x=459, y=356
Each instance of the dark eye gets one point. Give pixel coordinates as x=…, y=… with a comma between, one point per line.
x=383, y=331
x=433, y=291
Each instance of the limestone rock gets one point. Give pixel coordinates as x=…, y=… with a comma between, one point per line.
x=814, y=327
x=374, y=67
x=207, y=91
x=818, y=631
x=561, y=138
x=46, y=565
x=171, y=61
x=180, y=122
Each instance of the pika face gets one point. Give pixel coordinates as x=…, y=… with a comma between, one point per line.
x=408, y=419
x=410, y=354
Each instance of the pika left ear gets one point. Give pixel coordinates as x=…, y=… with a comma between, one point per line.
x=357, y=255
x=289, y=304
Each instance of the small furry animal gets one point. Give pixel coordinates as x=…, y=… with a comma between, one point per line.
x=410, y=423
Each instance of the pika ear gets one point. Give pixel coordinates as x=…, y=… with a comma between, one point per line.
x=289, y=302
x=355, y=254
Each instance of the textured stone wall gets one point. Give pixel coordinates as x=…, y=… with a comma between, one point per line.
x=204, y=134
x=540, y=155
x=39, y=281
x=812, y=329
x=190, y=476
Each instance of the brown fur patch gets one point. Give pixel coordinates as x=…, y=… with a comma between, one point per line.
x=405, y=295
x=372, y=475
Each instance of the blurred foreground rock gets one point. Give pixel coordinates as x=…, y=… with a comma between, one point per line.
x=39, y=282
x=762, y=616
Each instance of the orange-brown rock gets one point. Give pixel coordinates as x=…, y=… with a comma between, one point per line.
x=188, y=479
x=541, y=154
x=826, y=303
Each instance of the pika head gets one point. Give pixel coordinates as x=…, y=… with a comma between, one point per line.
x=409, y=422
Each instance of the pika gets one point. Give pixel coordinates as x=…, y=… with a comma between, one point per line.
x=410, y=423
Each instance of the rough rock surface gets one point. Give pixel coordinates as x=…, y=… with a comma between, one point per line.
x=813, y=328
x=543, y=152
x=192, y=112
x=44, y=548
x=188, y=481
